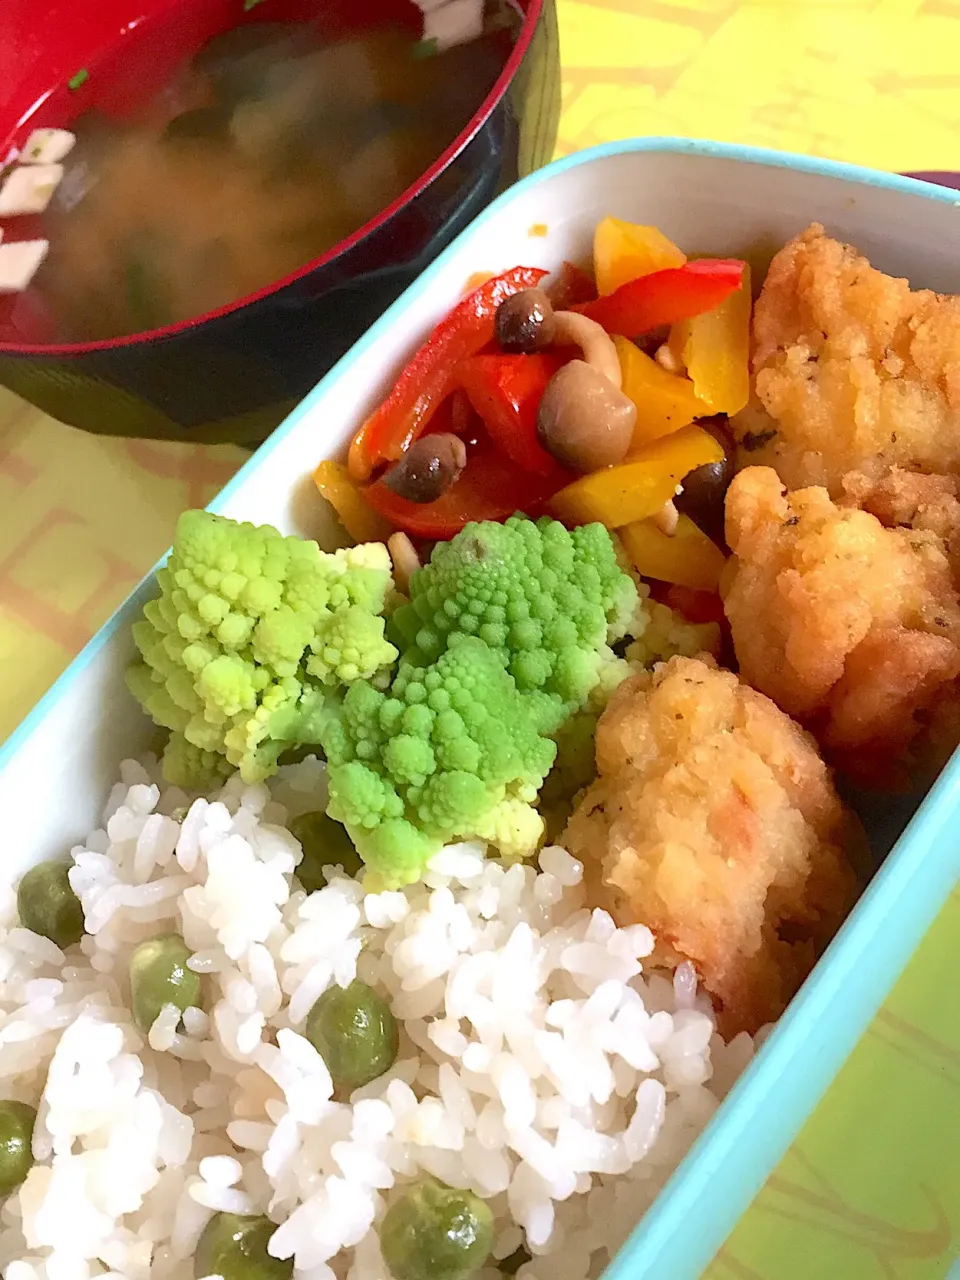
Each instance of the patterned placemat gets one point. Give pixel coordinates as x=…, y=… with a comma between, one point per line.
x=871, y=1189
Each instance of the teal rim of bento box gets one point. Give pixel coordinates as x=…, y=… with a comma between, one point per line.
x=690, y=1218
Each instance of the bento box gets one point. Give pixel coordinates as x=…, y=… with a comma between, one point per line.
x=57, y=768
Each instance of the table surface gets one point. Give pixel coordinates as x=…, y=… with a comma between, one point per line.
x=871, y=1189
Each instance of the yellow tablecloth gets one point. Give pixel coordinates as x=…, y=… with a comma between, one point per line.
x=871, y=1190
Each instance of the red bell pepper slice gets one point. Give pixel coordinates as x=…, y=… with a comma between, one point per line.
x=505, y=390
x=490, y=487
x=697, y=607
x=665, y=297
x=425, y=381
x=572, y=285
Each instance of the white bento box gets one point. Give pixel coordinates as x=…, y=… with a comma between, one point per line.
x=56, y=769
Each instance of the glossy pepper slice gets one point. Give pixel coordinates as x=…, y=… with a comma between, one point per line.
x=490, y=487
x=664, y=297
x=425, y=381
x=505, y=390
x=353, y=511
x=625, y=251
x=636, y=489
x=715, y=350
x=665, y=402
x=571, y=285
x=687, y=557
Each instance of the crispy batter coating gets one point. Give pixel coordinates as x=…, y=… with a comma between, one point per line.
x=850, y=627
x=858, y=372
x=714, y=821
x=910, y=499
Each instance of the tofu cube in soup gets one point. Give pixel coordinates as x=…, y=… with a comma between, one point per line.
x=47, y=146
x=19, y=263
x=455, y=22
x=29, y=189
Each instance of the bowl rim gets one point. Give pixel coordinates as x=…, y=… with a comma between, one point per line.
x=466, y=135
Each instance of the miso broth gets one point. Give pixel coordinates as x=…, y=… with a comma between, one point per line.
x=265, y=151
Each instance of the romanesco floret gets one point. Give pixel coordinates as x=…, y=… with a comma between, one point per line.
x=452, y=749
x=248, y=635
x=659, y=632
x=187, y=766
x=547, y=600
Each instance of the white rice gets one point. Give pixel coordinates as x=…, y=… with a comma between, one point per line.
x=539, y=1065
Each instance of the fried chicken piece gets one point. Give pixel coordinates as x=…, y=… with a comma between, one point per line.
x=913, y=500
x=857, y=372
x=714, y=822
x=909, y=499
x=850, y=627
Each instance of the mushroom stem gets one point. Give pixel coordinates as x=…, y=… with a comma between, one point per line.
x=667, y=360
x=406, y=562
x=666, y=519
x=593, y=340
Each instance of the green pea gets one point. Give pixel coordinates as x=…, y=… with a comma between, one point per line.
x=325, y=843
x=159, y=976
x=234, y=1247
x=434, y=1232
x=48, y=906
x=16, y=1139
x=355, y=1033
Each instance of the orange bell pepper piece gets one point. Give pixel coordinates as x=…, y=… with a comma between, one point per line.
x=637, y=489
x=688, y=558
x=624, y=251
x=665, y=402
x=353, y=511
x=715, y=348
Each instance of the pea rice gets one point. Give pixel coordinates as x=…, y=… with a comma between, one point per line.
x=539, y=1065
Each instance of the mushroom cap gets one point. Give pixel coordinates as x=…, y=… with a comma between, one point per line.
x=584, y=421
x=525, y=322
x=428, y=468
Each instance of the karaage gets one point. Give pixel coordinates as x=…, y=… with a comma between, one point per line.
x=853, y=370
x=714, y=821
x=850, y=627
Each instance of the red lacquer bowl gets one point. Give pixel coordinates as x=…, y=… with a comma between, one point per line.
x=233, y=374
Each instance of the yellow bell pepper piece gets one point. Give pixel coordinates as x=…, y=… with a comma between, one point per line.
x=715, y=349
x=624, y=251
x=689, y=558
x=665, y=402
x=637, y=489
x=358, y=518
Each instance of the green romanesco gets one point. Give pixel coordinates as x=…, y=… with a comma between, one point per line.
x=506, y=636
x=575, y=768
x=258, y=644
x=547, y=600
x=659, y=632
x=184, y=765
x=452, y=749
x=248, y=637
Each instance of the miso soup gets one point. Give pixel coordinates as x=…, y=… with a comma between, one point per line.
x=261, y=154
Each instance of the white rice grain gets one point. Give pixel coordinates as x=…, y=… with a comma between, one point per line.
x=164, y=1028
x=221, y=1171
